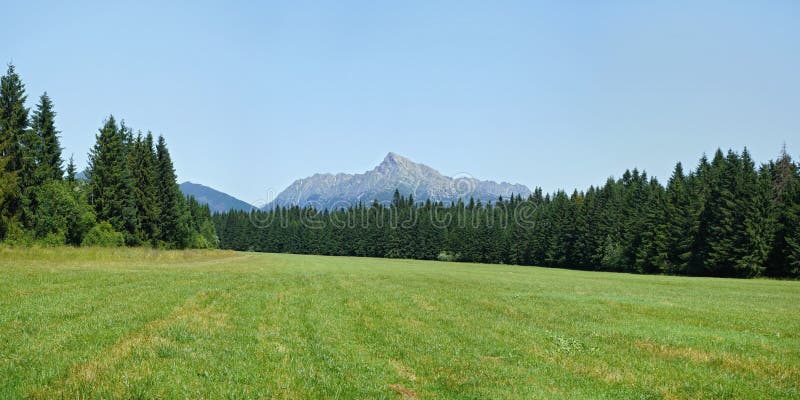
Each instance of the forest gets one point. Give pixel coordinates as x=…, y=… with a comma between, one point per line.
x=725, y=218
x=128, y=196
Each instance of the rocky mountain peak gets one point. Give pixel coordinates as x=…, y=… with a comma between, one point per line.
x=394, y=160
x=394, y=172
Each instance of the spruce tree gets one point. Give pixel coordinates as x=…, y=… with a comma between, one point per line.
x=143, y=160
x=634, y=196
x=609, y=255
x=111, y=183
x=173, y=213
x=722, y=221
x=49, y=155
x=700, y=184
x=562, y=234
x=29, y=176
x=13, y=125
x=71, y=170
x=784, y=257
x=680, y=222
x=652, y=256
x=41, y=157
x=759, y=225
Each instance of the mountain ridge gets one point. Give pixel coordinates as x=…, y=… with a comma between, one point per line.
x=217, y=201
x=395, y=172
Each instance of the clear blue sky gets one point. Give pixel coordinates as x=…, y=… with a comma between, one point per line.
x=550, y=94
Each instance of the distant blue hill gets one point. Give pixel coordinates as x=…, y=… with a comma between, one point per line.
x=216, y=200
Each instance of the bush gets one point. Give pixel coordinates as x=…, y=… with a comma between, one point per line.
x=447, y=256
x=206, y=238
x=62, y=210
x=103, y=235
x=53, y=240
x=613, y=258
x=15, y=235
x=199, y=242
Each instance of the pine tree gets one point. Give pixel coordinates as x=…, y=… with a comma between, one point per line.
x=143, y=160
x=740, y=229
x=586, y=241
x=634, y=195
x=13, y=125
x=700, y=184
x=759, y=225
x=41, y=157
x=29, y=176
x=680, y=222
x=71, y=170
x=111, y=183
x=652, y=255
x=784, y=257
x=559, y=251
x=610, y=255
x=792, y=249
x=722, y=224
x=173, y=213
x=49, y=155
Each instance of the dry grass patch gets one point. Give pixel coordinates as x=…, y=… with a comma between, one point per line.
x=403, y=391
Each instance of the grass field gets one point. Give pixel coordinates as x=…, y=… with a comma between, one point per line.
x=134, y=323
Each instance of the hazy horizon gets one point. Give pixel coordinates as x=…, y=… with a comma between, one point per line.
x=251, y=98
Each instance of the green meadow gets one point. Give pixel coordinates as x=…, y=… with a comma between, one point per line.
x=144, y=324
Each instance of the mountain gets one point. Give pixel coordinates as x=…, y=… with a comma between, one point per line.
x=216, y=200
x=395, y=172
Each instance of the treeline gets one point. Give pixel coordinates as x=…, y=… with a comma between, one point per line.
x=129, y=195
x=725, y=218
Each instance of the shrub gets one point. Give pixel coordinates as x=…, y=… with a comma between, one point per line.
x=53, y=240
x=206, y=238
x=447, y=256
x=103, y=235
x=62, y=211
x=199, y=242
x=15, y=235
x=613, y=257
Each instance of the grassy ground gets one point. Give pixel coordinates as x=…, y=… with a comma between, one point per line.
x=133, y=323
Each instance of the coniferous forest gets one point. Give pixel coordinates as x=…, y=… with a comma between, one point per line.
x=725, y=218
x=129, y=195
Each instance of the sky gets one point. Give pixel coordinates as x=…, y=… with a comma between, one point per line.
x=555, y=94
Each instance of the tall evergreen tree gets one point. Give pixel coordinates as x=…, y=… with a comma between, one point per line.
x=700, y=183
x=722, y=217
x=41, y=157
x=111, y=183
x=49, y=155
x=13, y=125
x=784, y=257
x=653, y=253
x=29, y=177
x=759, y=225
x=634, y=200
x=143, y=161
x=680, y=222
x=71, y=169
x=173, y=213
